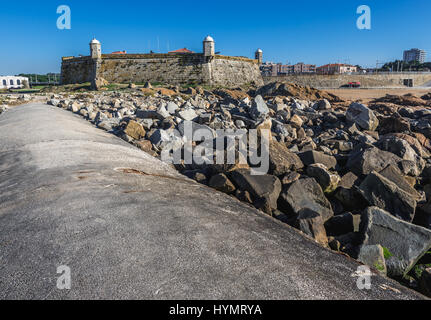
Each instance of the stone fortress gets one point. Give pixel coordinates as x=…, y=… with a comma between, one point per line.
x=206, y=68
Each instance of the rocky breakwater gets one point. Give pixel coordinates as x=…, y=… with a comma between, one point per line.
x=355, y=178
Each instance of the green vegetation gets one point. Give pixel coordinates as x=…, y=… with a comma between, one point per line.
x=399, y=65
x=387, y=253
x=418, y=269
x=379, y=267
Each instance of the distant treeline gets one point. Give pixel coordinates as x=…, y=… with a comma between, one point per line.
x=399, y=65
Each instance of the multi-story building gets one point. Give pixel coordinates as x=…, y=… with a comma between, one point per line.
x=8, y=82
x=414, y=55
x=336, y=68
x=269, y=69
x=304, y=68
x=275, y=69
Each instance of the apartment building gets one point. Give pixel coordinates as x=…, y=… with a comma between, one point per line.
x=336, y=68
x=414, y=55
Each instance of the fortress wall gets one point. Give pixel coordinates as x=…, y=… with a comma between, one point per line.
x=76, y=70
x=177, y=69
x=164, y=68
x=367, y=81
x=234, y=71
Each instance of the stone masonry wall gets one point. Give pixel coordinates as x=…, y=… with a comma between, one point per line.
x=77, y=70
x=366, y=80
x=178, y=69
x=171, y=69
x=232, y=71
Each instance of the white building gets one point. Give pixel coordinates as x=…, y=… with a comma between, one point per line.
x=7, y=82
x=415, y=54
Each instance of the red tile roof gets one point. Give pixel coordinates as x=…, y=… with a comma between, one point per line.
x=120, y=52
x=183, y=50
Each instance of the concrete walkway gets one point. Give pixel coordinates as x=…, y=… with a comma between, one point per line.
x=130, y=227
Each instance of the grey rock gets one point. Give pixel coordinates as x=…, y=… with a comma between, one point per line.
x=401, y=148
x=362, y=116
x=425, y=282
x=385, y=194
x=394, y=174
x=327, y=180
x=109, y=124
x=323, y=105
x=163, y=112
x=305, y=193
x=193, y=128
x=373, y=256
x=147, y=123
x=172, y=107
x=161, y=138
x=54, y=102
x=312, y=157
x=259, y=108
x=188, y=114
x=406, y=243
x=222, y=183
x=364, y=161
x=311, y=223
x=342, y=224
x=259, y=186
x=281, y=160
x=148, y=114
x=423, y=215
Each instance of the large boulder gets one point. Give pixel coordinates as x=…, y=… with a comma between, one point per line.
x=134, y=130
x=342, y=224
x=312, y=157
x=347, y=192
x=362, y=116
x=373, y=256
x=305, y=194
x=281, y=160
x=394, y=174
x=188, y=114
x=425, y=282
x=385, y=194
x=402, y=149
x=259, y=108
x=394, y=123
x=311, y=223
x=423, y=215
x=363, y=161
x=261, y=187
x=404, y=243
x=222, y=183
x=327, y=180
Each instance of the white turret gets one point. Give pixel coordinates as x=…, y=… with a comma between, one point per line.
x=259, y=56
x=209, y=47
x=95, y=49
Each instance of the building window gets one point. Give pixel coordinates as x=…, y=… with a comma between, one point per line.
x=11, y=82
x=18, y=82
x=4, y=82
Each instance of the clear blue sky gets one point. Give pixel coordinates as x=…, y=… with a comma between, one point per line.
x=309, y=31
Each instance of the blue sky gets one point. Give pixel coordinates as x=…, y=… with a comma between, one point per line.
x=310, y=31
